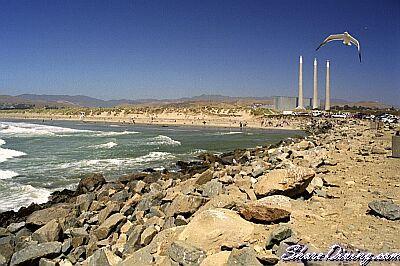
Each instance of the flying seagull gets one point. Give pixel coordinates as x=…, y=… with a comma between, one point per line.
x=346, y=38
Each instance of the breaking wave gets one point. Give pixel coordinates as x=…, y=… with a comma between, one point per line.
x=163, y=140
x=106, y=164
x=7, y=174
x=113, y=133
x=17, y=195
x=107, y=145
x=29, y=130
x=6, y=154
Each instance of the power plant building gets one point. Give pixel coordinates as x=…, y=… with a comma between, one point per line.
x=286, y=103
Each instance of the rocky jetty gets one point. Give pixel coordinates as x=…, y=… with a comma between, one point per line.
x=232, y=209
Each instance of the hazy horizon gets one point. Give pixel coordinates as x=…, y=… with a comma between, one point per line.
x=168, y=50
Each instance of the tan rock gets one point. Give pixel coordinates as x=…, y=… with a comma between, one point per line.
x=217, y=259
x=44, y=216
x=290, y=182
x=214, y=228
x=263, y=211
x=184, y=204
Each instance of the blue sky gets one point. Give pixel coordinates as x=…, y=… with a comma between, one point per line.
x=170, y=49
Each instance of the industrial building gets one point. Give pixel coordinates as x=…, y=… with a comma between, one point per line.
x=286, y=103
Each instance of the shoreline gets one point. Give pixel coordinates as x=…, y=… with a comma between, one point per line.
x=212, y=122
x=333, y=181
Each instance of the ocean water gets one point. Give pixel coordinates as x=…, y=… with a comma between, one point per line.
x=38, y=158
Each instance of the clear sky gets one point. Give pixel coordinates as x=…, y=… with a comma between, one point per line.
x=169, y=49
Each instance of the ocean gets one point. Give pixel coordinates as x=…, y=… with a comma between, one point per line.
x=37, y=158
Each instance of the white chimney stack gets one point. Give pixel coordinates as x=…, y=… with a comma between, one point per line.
x=315, y=94
x=300, y=105
x=327, y=89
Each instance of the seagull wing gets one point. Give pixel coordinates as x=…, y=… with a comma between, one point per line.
x=333, y=37
x=356, y=43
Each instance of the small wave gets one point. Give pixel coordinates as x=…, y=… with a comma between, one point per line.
x=6, y=154
x=28, y=129
x=103, y=164
x=163, y=140
x=231, y=133
x=22, y=195
x=6, y=174
x=114, y=133
x=107, y=145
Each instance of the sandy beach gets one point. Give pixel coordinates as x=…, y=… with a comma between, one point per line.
x=172, y=118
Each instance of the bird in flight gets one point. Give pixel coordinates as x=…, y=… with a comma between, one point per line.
x=346, y=38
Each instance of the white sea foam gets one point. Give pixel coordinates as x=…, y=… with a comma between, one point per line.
x=6, y=174
x=103, y=164
x=231, y=133
x=163, y=140
x=113, y=133
x=6, y=154
x=22, y=195
x=28, y=129
x=107, y=145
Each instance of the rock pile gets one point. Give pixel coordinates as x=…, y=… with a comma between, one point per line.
x=232, y=209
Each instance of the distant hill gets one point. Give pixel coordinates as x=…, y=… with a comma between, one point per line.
x=78, y=100
x=204, y=99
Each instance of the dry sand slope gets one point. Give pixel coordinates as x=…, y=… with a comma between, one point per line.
x=239, y=208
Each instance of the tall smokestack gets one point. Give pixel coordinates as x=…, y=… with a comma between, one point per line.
x=300, y=105
x=315, y=94
x=327, y=89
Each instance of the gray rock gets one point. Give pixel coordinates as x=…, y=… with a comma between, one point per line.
x=133, y=242
x=32, y=253
x=104, y=257
x=47, y=262
x=180, y=220
x=14, y=227
x=84, y=201
x=140, y=257
x=105, y=228
x=281, y=233
x=186, y=254
x=4, y=232
x=385, y=208
x=212, y=188
x=48, y=233
x=3, y=261
x=120, y=196
x=7, y=247
x=42, y=217
x=148, y=235
x=66, y=245
x=90, y=183
x=204, y=177
x=244, y=256
x=112, y=207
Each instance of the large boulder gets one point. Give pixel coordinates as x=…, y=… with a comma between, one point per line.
x=264, y=211
x=185, y=254
x=290, y=182
x=214, y=228
x=108, y=225
x=90, y=183
x=184, y=204
x=32, y=253
x=42, y=217
x=48, y=233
